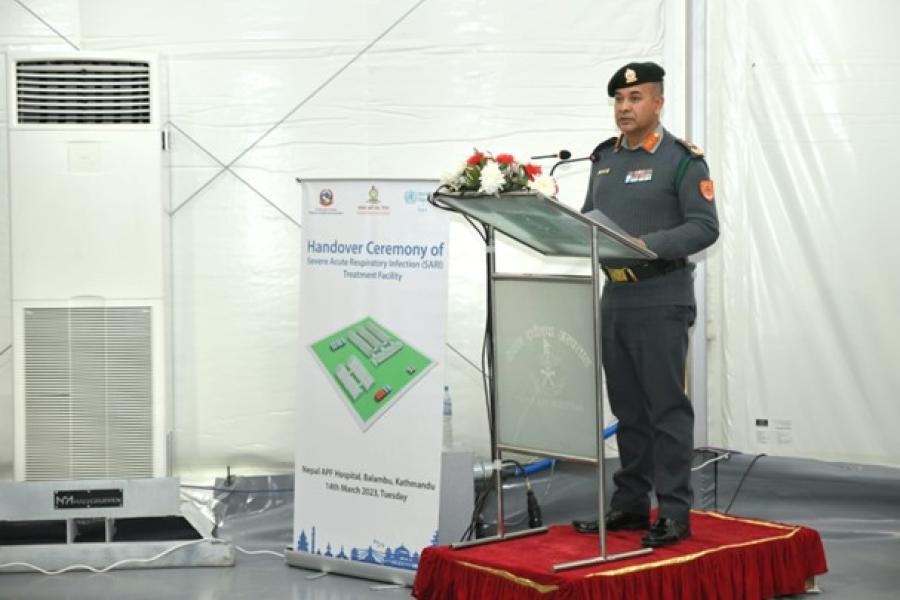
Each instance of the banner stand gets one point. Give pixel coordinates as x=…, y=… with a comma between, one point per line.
x=373, y=317
x=326, y=565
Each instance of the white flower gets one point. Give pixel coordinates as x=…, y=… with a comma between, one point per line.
x=544, y=184
x=492, y=178
x=454, y=179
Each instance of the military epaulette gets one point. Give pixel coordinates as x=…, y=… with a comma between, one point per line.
x=694, y=150
x=611, y=142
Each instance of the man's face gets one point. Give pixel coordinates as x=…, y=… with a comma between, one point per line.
x=637, y=108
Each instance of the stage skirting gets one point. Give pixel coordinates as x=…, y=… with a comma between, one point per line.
x=726, y=558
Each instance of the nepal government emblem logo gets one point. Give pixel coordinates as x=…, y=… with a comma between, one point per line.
x=326, y=197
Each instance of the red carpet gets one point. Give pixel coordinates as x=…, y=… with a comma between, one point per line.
x=726, y=558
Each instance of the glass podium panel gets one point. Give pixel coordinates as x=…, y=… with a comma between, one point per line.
x=545, y=376
x=544, y=225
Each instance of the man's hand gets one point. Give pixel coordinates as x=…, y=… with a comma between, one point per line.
x=640, y=242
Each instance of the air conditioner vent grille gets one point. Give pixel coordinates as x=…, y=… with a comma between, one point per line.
x=88, y=393
x=83, y=92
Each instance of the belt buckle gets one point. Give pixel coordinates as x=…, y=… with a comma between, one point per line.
x=619, y=275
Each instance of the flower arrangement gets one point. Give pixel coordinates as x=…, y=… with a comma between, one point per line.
x=487, y=174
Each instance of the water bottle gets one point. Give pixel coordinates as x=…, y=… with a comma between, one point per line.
x=448, y=419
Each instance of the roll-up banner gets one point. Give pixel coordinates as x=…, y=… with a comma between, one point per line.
x=373, y=314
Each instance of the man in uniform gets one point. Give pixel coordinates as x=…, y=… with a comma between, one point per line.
x=657, y=188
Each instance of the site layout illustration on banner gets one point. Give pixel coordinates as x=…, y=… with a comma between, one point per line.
x=370, y=367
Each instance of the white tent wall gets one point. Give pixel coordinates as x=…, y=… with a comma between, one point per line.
x=244, y=88
x=803, y=124
x=800, y=129
x=800, y=134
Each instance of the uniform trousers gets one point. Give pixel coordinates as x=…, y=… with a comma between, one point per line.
x=644, y=358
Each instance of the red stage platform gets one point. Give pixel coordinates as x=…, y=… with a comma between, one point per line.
x=726, y=558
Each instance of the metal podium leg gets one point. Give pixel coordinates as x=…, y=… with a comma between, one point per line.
x=496, y=455
x=599, y=560
x=598, y=387
x=499, y=538
x=601, y=466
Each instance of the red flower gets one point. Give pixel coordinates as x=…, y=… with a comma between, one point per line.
x=532, y=170
x=475, y=159
x=505, y=159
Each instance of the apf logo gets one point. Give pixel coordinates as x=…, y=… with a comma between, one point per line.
x=373, y=204
x=326, y=197
x=373, y=195
x=553, y=358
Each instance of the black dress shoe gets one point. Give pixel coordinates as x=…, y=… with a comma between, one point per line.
x=666, y=532
x=616, y=520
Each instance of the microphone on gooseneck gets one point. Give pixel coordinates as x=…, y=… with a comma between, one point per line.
x=561, y=155
x=567, y=160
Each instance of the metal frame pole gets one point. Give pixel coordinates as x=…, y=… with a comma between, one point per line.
x=696, y=58
x=496, y=453
x=598, y=388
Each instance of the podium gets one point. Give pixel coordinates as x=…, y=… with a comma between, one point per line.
x=545, y=376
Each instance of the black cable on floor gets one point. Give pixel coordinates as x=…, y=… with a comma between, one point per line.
x=476, y=511
x=741, y=482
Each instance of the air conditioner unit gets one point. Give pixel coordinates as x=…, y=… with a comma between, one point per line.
x=88, y=243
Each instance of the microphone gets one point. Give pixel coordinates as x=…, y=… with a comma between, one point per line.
x=534, y=510
x=567, y=160
x=562, y=155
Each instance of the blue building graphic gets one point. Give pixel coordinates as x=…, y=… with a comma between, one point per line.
x=302, y=542
x=398, y=557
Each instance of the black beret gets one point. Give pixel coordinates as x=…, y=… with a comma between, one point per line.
x=634, y=74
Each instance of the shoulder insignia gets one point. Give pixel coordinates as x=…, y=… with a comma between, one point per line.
x=694, y=150
x=707, y=190
x=611, y=142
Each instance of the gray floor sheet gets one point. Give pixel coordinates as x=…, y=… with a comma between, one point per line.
x=855, y=508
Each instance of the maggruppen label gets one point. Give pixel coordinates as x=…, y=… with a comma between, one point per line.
x=63, y=499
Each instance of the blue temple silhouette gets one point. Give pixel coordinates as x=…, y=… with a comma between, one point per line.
x=398, y=557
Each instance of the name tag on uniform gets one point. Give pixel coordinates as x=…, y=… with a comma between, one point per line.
x=639, y=176
x=603, y=171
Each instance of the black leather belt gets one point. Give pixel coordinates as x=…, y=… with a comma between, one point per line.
x=644, y=271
